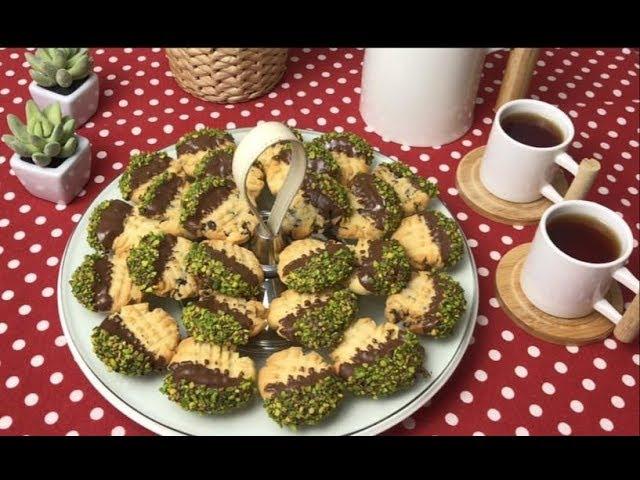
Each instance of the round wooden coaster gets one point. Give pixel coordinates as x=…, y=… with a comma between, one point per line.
x=563, y=331
x=488, y=205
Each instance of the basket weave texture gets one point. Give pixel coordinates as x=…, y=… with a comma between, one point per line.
x=227, y=75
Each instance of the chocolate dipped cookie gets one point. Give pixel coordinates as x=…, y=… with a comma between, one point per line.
x=225, y=268
x=192, y=146
x=142, y=169
x=414, y=191
x=431, y=239
x=298, y=389
x=430, y=305
x=103, y=284
x=310, y=265
x=136, y=340
x=209, y=378
x=313, y=320
x=378, y=360
x=351, y=152
x=382, y=268
x=224, y=320
x=376, y=209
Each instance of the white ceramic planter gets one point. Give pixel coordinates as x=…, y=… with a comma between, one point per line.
x=60, y=184
x=80, y=105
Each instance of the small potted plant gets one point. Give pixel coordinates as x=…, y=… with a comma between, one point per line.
x=50, y=160
x=64, y=75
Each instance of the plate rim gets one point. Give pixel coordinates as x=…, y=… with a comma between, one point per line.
x=379, y=426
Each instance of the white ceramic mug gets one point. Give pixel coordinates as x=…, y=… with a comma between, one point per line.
x=565, y=287
x=520, y=173
x=420, y=96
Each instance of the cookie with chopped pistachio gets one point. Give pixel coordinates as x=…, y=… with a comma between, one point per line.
x=413, y=190
x=142, y=168
x=430, y=305
x=157, y=265
x=431, y=239
x=351, y=152
x=114, y=227
x=378, y=360
x=298, y=389
x=208, y=378
x=212, y=208
x=136, y=340
x=218, y=162
x=382, y=268
x=376, y=209
x=192, y=146
x=225, y=268
x=313, y=320
x=103, y=284
x=224, y=320
x=318, y=207
x=311, y=265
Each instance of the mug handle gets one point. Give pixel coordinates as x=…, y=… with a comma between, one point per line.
x=627, y=324
x=584, y=176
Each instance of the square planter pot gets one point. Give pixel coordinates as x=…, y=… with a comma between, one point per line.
x=60, y=184
x=80, y=105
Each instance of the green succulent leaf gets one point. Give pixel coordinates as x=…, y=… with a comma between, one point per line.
x=56, y=135
x=42, y=79
x=68, y=127
x=18, y=128
x=52, y=149
x=33, y=113
x=41, y=159
x=64, y=78
x=53, y=113
x=37, y=141
x=80, y=69
x=22, y=149
x=43, y=52
x=69, y=148
x=42, y=65
x=58, y=57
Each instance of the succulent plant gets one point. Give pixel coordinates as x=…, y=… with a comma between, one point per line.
x=46, y=135
x=59, y=66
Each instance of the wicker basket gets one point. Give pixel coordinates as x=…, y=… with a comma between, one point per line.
x=227, y=75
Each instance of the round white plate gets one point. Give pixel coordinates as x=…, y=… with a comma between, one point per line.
x=141, y=400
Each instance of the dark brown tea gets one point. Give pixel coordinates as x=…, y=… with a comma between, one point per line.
x=532, y=129
x=584, y=238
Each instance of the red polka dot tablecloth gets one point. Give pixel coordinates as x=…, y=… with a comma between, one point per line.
x=508, y=383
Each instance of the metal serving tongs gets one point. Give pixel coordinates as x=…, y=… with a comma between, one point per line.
x=267, y=242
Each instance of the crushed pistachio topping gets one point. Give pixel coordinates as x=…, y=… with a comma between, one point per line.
x=94, y=222
x=150, y=193
x=82, y=281
x=213, y=275
x=142, y=259
x=213, y=327
x=318, y=153
x=137, y=161
x=392, y=205
x=119, y=356
x=456, y=248
x=192, y=196
x=322, y=270
x=451, y=307
x=400, y=170
x=323, y=327
x=205, y=132
x=393, y=271
x=201, y=398
x=209, y=157
x=360, y=145
x=390, y=373
x=307, y=405
x=330, y=187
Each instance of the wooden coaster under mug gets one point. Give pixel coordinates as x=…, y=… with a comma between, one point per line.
x=562, y=331
x=479, y=199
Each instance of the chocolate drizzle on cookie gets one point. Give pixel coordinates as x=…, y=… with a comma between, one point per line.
x=287, y=322
x=144, y=173
x=165, y=252
x=219, y=164
x=111, y=223
x=231, y=264
x=341, y=145
x=371, y=354
x=373, y=203
x=208, y=202
x=332, y=247
x=102, y=301
x=202, y=375
x=438, y=234
x=200, y=142
x=114, y=325
x=328, y=207
x=311, y=378
x=431, y=319
x=162, y=197
x=214, y=305
x=367, y=270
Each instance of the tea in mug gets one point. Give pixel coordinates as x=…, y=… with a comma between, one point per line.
x=532, y=129
x=584, y=238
